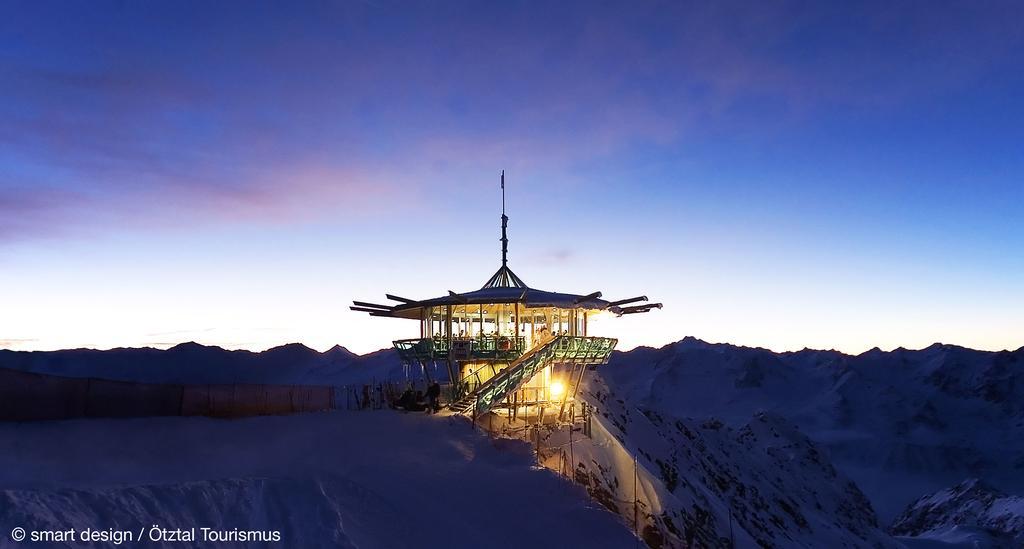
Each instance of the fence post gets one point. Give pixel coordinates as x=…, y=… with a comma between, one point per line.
x=636, y=524
x=476, y=406
x=732, y=540
x=572, y=457
x=536, y=431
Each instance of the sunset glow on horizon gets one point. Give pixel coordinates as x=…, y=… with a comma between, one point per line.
x=235, y=174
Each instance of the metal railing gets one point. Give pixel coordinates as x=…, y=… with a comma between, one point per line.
x=560, y=350
x=460, y=348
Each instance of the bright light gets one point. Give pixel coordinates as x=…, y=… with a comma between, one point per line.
x=557, y=389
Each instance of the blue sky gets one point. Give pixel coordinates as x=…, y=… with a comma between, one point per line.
x=786, y=175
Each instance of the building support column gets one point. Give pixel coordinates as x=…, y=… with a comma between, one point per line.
x=452, y=378
x=515, y=328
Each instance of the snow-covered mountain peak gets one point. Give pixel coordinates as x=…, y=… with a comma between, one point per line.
x=690, y=343
x=707, y=484
x=900, y=423
x=971, y=506
x=339, y=350
x=192, y=346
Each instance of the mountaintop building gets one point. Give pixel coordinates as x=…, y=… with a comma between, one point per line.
x=506, y=344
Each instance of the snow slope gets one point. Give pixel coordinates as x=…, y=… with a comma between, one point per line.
x=900, y=423
x=367, y=479
x=702, y=483
x=971, y=510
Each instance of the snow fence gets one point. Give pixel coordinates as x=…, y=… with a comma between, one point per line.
x=28, y=396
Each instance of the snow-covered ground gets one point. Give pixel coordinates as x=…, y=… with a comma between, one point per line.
x=970, y=512
x=367, y=479
x=703, y=483
x=900, y=424
x=797, y=427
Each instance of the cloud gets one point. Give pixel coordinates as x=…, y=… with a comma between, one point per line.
x=247, y=120
x=558, y=255
x=14, y=343
x=180, y=332
x=38, y=211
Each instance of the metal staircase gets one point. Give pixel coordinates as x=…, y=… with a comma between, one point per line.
x=558, y=350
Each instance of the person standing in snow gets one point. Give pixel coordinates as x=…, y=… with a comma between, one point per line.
x=433, y=394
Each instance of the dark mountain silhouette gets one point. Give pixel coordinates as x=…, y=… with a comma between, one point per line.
x=192, y=362
x=899, y=423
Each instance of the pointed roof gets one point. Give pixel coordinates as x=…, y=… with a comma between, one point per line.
x=504, y=278
x=504, y=286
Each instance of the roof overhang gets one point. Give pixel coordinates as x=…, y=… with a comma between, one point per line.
x=528, y=297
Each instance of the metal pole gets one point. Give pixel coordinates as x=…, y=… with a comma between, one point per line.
x=515, y=326
x=572, y=457
x=636, y=525
x=504, y=225
x=565, y=395
x=536, y=431
x=732, y=540
x=515, y=405
x=448, y=337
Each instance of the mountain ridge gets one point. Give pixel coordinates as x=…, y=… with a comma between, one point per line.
x=898, y=423
x=685, y=339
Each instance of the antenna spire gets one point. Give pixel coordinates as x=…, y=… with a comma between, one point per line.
x=504, y=278
x=504, y=224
